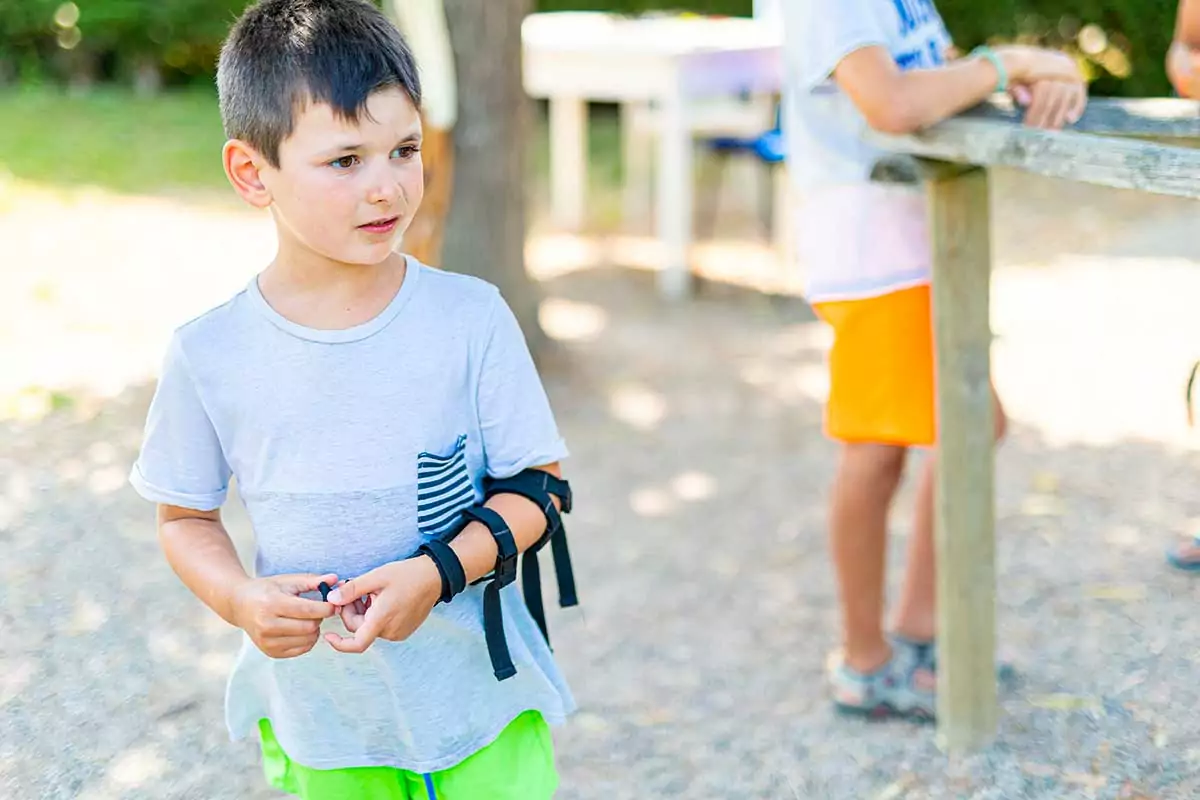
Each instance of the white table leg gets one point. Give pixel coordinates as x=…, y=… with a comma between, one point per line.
x=637, y=141
x=781, y=221
x=568, y=161
x=674, y=202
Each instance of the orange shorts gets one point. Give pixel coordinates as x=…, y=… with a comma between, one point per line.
x=881, y=369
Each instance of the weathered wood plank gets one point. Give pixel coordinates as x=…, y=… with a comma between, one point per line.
x=1161, y=118
x=1106, y=161
x=964, y=505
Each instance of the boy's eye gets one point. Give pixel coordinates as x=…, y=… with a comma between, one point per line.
x=406, y=151
x=345, y=162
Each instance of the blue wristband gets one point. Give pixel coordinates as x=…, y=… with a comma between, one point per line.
x=989, y=54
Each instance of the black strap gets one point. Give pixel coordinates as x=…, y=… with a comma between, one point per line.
x=454, y=577
x=505, y=573
x=506, y=546
x=493, y=631
x=537, y=486
x=567, y=596
x=531, y=584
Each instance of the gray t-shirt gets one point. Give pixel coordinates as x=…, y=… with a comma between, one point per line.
x=350, y=448
x=855, y=238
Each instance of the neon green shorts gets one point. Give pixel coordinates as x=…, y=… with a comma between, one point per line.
x=519, y=765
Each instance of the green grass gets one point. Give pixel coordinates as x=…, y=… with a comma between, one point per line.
x=112, y=139
x=171, y=144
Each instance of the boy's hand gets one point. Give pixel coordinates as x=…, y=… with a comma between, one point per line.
x=389, y=602
x=1183, y=68
x=1029, y=65
x=1051, y=104
x=280, y=622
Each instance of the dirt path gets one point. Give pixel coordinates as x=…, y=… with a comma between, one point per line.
x=708, y=603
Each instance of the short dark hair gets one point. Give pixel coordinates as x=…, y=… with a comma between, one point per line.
x=283, y=54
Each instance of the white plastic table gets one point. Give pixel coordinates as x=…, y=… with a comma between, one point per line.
x=670, y=61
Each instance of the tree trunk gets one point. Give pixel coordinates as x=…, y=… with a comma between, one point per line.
x=485, y=233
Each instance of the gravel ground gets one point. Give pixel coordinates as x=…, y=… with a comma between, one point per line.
x=708, y=604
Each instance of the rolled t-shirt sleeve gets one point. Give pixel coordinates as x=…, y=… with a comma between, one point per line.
x=181, y=462
x=515, y=418
x=819, y=34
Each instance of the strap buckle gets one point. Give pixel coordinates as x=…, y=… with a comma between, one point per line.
x=506, y=546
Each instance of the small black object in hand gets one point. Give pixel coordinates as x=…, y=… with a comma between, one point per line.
x=325, y=590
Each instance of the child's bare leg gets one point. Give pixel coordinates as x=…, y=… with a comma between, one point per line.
x=866, y=481
x=915, y=616
x=916, y=612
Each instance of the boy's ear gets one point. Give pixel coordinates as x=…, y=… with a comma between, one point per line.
x=243, y=166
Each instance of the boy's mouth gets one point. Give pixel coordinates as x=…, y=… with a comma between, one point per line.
x=384, y=225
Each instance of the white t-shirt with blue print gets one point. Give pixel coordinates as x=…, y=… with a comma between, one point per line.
x=855, y=238
x=350, y=448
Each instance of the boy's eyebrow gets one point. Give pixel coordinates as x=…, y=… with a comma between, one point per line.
x=412, y=136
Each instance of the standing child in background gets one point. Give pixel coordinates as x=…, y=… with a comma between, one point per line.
x=1183, y=69
x=1183, y=59
x=390, y=437
x=884, y=64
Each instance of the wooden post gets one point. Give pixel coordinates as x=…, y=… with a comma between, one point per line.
x=964, y=506
x=992, y=136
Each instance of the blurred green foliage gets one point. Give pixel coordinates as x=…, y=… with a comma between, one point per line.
x=730, y=7
x=1123, y=42
x=96, y=40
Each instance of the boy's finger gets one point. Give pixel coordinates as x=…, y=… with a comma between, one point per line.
x=299, y=584
x=303, y=608
x=355, y=588
x=352, y=615
x=1078, y=105
x=290, y=626
x=290, y=648
x=1056, y=109
x=1033, y=113
x=1066, y=112
x=293, y=642
x=1041, y=112
x=363, y=638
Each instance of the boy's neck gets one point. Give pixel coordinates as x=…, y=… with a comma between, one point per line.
x=330, y=296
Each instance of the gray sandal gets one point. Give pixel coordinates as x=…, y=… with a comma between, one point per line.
x=893, y=691
x=926, y=655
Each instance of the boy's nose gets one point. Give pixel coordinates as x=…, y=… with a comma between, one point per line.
x=384, y=194
x=385, y=189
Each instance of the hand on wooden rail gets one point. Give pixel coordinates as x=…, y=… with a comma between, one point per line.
x=1028, y=65
x=1051, y=104
x=1046, y=83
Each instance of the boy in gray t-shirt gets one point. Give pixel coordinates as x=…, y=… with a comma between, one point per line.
x=391, y=440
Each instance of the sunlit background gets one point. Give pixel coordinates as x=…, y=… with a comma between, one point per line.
x=707, y=602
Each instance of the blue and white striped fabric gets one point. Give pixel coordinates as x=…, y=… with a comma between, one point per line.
x=443, y=489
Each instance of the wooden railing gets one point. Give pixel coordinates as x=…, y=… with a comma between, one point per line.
x=1117, y=143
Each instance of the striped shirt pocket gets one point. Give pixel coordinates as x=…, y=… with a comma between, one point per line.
x=444, y=489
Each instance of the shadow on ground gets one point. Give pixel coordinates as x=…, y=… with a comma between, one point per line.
x=708, y=601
